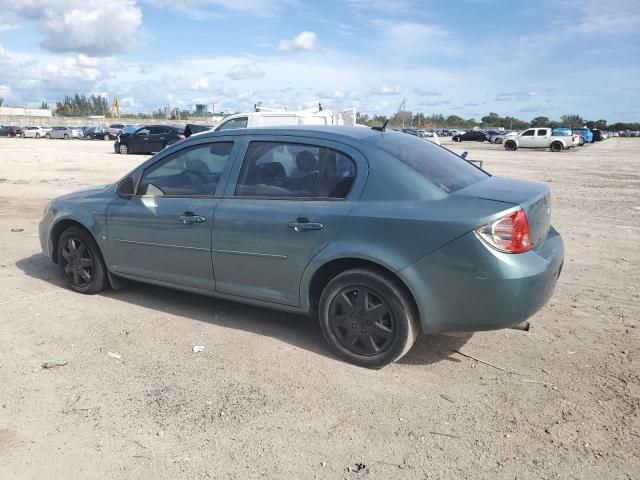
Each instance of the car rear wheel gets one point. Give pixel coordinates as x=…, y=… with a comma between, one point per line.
x=123, y=149
x=48, y=136
x=456, y=139
x=37, y=135
x=510, y=145
x=367, y=319
x=80, y=261
x=106, y=137
x=556, y=146
x=66, y=137
x=23, y=135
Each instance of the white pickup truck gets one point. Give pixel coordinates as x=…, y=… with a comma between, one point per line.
x=538, y=138
x=266, y=117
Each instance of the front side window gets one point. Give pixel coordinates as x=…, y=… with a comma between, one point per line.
x=193, y=171
x=143, y=131
x=233, y=123
x=290, y=170
x=528, y=133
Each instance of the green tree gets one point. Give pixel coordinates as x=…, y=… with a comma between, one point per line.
x=455, y=121
x=492, y=120
x=572, y=120
x=540, y=122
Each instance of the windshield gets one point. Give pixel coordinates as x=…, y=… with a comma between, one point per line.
x=436, y=164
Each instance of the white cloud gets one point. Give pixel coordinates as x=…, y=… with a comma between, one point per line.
x=426, y=93
x=93, y=27
x=304, y=41
x=243, y=71
x=385, y=90
x=588, y=17
x=206, y=9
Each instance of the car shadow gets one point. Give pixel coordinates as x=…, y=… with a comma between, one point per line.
x=297, y=330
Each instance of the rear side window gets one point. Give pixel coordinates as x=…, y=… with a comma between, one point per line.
x=291, y=170
x=438, y=165
x=542, y=132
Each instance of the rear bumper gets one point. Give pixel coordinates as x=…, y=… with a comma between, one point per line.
x=468, y=286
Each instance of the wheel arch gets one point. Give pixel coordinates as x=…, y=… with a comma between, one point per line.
x=324, y=273
x=59, y=227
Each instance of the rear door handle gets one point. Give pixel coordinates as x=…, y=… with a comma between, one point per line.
x=302, y=224
x=189, y=218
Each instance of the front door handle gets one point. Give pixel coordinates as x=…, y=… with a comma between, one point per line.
x=189, y=218
x=302, y=224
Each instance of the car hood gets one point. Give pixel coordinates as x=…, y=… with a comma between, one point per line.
x=99, y=191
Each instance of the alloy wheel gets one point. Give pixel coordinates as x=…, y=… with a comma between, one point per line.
x=362, y=321
x=77, y=262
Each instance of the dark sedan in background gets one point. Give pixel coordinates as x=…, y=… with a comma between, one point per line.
x=149, y=139
x=9, y=131
x=472, y=136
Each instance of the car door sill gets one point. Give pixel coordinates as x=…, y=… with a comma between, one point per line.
x=213, y=293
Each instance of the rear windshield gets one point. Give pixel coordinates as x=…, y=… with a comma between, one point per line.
x=438, y=165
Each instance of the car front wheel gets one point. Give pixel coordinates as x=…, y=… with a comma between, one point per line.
x=80, y=261
x=367, y=319
x=123, y=149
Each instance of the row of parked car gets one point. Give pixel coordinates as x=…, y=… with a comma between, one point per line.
x=67, y=133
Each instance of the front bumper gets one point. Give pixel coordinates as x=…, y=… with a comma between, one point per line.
x=44, y=231
x=468, y=286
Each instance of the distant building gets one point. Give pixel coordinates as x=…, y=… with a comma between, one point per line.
x=25, y=112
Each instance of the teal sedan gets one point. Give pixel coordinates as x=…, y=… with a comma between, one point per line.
x=376, y=233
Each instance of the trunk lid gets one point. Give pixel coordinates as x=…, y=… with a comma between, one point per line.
x=534, y=198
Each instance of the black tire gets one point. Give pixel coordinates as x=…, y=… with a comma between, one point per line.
x=498, y=141
x=375, y=331
x=123, y=149
x=81, y=262
x=37, y=135
x=456, y=139
x=48, y=136
x=106, y=137
x=556, y=147
x=66, y=137
x=510, y=145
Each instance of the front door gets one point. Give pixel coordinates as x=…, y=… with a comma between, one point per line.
x=164, y=231
x=527, y=139
x=288, y=202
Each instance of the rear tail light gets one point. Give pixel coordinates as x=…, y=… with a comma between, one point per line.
x=509, y=234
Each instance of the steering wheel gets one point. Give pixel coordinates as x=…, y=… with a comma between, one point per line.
x=195, y=173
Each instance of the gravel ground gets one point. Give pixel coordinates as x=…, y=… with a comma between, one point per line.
x=267, y=399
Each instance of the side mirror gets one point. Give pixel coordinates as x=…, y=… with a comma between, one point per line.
x=125, y=188
x=464, y=155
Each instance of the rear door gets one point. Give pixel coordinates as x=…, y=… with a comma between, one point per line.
x=285, y=202
x=163, y=232
x=542, y=137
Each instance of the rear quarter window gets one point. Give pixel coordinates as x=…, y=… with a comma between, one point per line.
x=435, y=164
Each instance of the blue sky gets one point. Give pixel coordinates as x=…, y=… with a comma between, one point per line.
x=464, y=57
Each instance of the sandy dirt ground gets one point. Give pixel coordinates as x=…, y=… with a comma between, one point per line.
x=267, y=398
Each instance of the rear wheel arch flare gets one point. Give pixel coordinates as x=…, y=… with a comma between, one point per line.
x=323, y=275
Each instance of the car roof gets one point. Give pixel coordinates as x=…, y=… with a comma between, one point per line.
x=337, y=132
